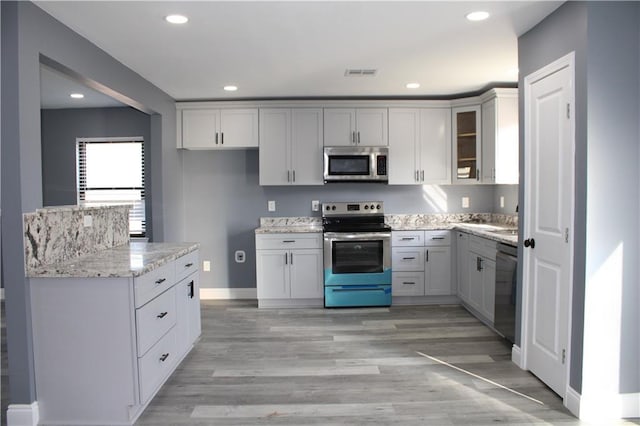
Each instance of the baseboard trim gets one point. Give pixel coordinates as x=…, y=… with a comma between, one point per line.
x=228, y=293
x=516, y=356
x=23, y=414
x=572, y=401
x=603, y=408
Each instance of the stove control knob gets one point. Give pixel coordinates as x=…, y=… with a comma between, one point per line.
x=328, y=208
x=333, y=207
x=373, y=207
x=378, y=207
x=366, y=207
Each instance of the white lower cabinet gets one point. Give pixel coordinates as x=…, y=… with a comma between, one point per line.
x=103, y=347
x=421, y=263
x=289, y=269
x=481, y=267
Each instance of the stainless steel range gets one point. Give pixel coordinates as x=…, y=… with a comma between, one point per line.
x=357, y=254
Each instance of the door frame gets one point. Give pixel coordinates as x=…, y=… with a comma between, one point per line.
x=567, y=61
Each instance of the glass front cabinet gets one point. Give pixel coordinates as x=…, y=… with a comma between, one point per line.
x=466, y=144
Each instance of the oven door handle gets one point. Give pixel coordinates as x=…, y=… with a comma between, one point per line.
x=336, y=290
x=350, y=236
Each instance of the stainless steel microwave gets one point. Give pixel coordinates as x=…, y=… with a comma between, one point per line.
x=356, y=164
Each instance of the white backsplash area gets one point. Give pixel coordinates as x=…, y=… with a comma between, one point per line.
x=56, y=234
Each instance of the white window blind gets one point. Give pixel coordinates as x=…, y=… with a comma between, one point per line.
x=110, y=172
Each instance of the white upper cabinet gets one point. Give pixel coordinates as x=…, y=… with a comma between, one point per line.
x=291, y=146
x=208, y=128
x=419, y=146
x=467, y=144
x=500, y=138
x=355, y=126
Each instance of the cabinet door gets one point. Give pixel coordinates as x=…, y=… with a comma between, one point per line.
x=475, y=281
x=489, y=124
x=488, y=288
x=466, y=144
x=435, y=146
x=306, y=147
x=188, y=312
x=438, y=271
x=238, y=128
x=407, y=284
x=275, y=137
x=372, y=127
x=404, y=133
x=462, y=249
x=339, y=126
x=307, y=279
x=272, y=272
x=199, y=128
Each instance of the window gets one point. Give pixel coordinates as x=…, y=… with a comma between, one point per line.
x=111, y=171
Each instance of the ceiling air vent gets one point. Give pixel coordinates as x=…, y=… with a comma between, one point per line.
x=370, y=72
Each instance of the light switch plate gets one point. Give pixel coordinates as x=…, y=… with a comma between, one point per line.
x=87, y=221
x=465, y=202
x=271, y=206
x=315, y=205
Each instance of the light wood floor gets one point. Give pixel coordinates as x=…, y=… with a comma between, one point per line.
x=349, y=366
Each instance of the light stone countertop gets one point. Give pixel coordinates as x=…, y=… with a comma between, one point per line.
x=288, y=229
x=128, y=260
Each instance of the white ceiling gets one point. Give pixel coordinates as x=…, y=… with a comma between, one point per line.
x=302, y=49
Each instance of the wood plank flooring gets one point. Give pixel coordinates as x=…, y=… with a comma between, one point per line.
x=349, y=367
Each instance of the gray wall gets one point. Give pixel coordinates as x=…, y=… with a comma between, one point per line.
x=563, y=31
x=613, y=177
x=29, y=35
x=224, y=203
x=606, y=156
x=61, y=127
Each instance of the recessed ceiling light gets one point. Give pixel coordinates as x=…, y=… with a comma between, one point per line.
x=176, y=19
x=477, y=16
x=230, y=88
x=412, y=85
x=77, y=95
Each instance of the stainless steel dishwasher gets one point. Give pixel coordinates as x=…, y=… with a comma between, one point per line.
x=505, y=296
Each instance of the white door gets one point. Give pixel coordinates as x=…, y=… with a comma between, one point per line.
x=339, y=126
x=199, y=128
x=437, y=271
x=307, y=277
x=239, y=128
x=435, y=146
x=306, y=146
x=372, y=127
x=275, y=136
x=404, y=134
x=547, y=275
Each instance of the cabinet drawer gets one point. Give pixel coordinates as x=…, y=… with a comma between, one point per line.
x=153, y=283
x=407, y=259
x=437, y=238
x=154, y=319
x=186, y=265
x=483, y=247
x=157, y=364
x=407, y=238
x=407, y=284
x=288, y=241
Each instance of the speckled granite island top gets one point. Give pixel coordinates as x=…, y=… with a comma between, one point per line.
x=127, y=260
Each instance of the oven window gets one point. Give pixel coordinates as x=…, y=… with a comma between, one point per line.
x=357, y=257
x=357, y=165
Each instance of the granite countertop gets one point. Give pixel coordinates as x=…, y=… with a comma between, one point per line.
x=128, y=260
x=288, y=229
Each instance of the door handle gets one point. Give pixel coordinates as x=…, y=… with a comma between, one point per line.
x=286, y=259
x=478, y=264
x=216, y=138
x=422, y=176
x=221, y=138
x=191, y=292
x=408, y=258
x=426, y=255
x=358, y=138
x=530, y=242
x=294, y=176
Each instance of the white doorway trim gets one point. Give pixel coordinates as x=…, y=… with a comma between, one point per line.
x=567, y=61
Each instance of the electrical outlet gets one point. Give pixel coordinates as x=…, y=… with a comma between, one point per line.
x=502, y=201
x=206, y=266
x=240, y=256
x=465, y=202
x=271, y=206
x=315, y=205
